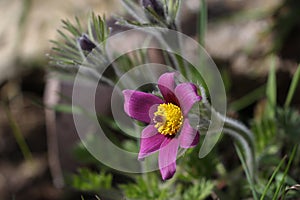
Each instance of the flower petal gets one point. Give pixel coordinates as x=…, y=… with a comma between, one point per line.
x=137, y=104
x=186, y=94
x=188, y=137
x=167, y=158
x=166, y=85
x=151, y=141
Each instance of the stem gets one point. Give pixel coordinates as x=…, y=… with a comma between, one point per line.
x=202, y=22
x=250, y=159
x=234, y=124
x=237, y=130
x=293, y=88
x=176, y=60
x=249, y=177
x=17, y=134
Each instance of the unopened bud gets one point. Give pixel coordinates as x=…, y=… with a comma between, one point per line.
x=85, y=43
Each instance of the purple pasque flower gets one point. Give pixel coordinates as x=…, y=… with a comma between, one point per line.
x=167, y=118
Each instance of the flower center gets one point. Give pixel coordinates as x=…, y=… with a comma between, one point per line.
x=168, y=119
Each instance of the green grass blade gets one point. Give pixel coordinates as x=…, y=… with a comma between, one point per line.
x=18, y=134
x=272, y=178
x=285, y=172
x=71, y=28
x=248, y=99
x=250, y=180
x=202, y=21
x=293, y=88
x=271, y=90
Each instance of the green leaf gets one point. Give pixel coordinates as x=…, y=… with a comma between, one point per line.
x=202, y=21
x=199, y=191
x=271, y=91
x=151, y=12
x=148, y=187
x=134, y=10
x=68, y=54
x=87, y=180
x=288, y=123
x=247, y=172
x=173, y=7
x=17, y=132
x=272, y=178
x=264, y=131
x=64, y=108
x=248, y=99
x=293, y=87
x=280, y=186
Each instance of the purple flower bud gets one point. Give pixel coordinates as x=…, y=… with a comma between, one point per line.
x=85, y=43
x=156, y=5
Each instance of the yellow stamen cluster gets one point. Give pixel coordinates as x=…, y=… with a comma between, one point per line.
x=168, y=119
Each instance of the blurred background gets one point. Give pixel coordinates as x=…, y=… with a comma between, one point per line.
x=243, y=38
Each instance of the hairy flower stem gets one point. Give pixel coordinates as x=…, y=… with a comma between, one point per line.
x=248, y=150
x=231, y=127
x=246, y=138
